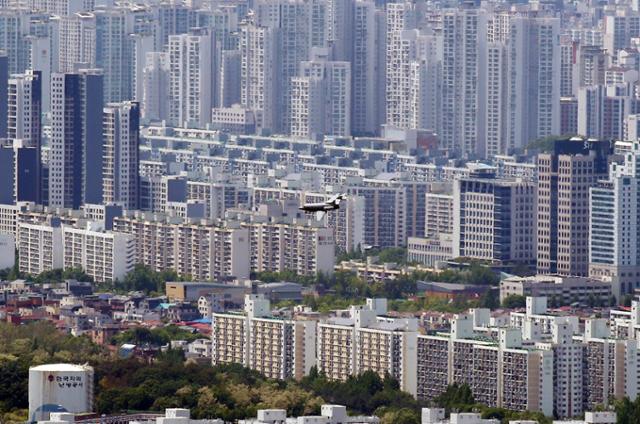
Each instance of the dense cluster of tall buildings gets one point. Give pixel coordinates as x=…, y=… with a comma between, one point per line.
x=185, y=135
x=199, y=109
x=485, y=78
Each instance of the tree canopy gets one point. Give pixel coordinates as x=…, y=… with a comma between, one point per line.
x=514, y=301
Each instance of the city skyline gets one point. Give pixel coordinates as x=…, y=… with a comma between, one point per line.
x=436, y=199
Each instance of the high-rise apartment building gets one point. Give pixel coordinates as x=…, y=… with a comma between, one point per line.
x=302, y=247
x=121, y=157
x=76, y=145
x=114, y=52
x=275, y=347
x=173, y=19
x=321, y=98
x=620, y=25
x=384, y=219
x=368, y=341
x=24, y=108
x=259, y=75
x=16, y=24
x=194, y=248
x=155, y=88
x=534, y=79
x=610, y=365
x=191, y=83
x=505, y=374
x=463, y=38
x=230, y=78
x=364, y=99
x=38, y=247
x=104, y=256
x=291, y=19
x=76, y=42
x=62, y=7
x=401, y=49
x=439, y=214
x=4, y=80
x=568, y=370
x=603, y=110
x=566, y=171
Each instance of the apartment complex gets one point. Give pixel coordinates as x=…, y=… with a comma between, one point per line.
x=35, y=244
x=500, y=373
x=277, y=348
x=190, y=247
x=367, y=340
x=103, y=255
x=304, y=249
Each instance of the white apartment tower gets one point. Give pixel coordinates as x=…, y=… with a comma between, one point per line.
x=77, y=42
x=495, y=118
x=321, y=98
x=400, y=50
x=121, y=182
x=463, y=41
x=104, y=256
x=307, y=107
x=534, y=79
x=34, y=243
x=24, y=108
x=368, y=341
x=191, y=78
x=259, y=83
x=114, y=52
x=291, y=19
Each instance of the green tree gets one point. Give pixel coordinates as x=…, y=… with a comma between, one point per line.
x=142, y=278
x=396, y=255
x=490, y=299
x=514, y=301
x=398, y=416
